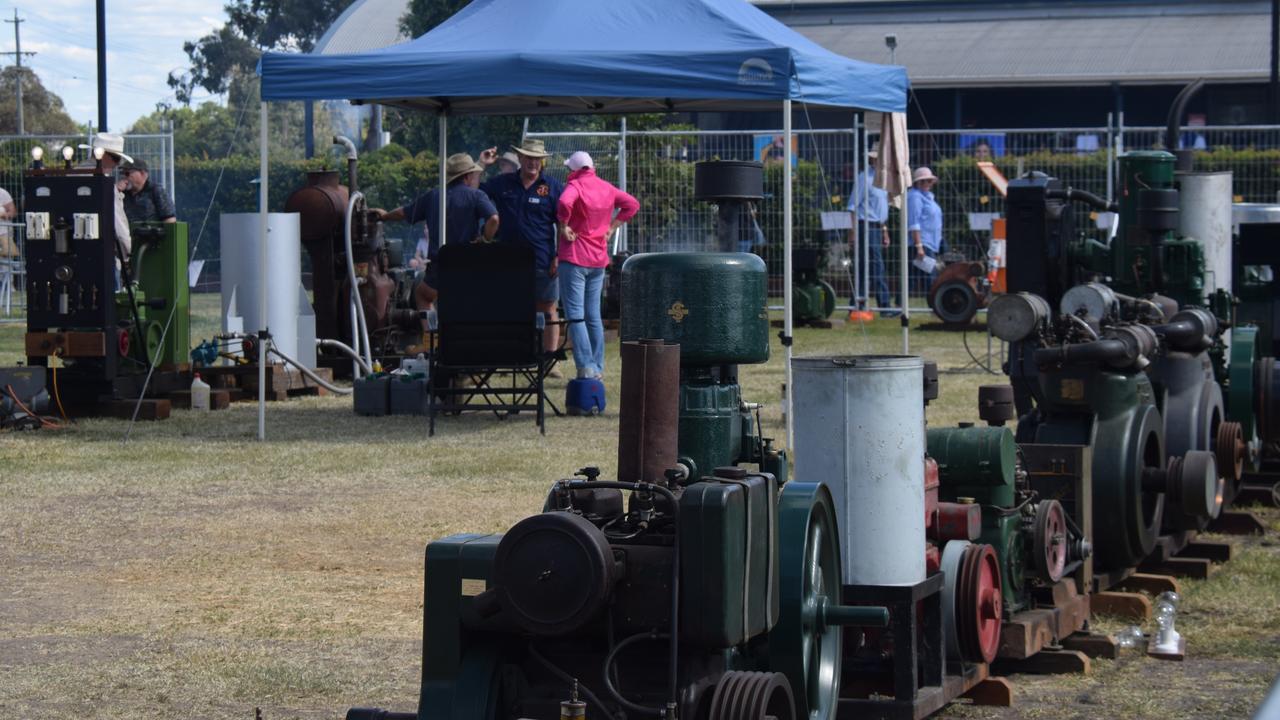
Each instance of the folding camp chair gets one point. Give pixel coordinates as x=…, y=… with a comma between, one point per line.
x=486, y=337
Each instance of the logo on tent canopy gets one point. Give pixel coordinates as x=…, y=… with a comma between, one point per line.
x=755, y=71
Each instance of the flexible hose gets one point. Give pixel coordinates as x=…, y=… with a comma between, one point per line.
x=345, y=349
x=311, y=374
x=567, y=679
x=609, y=661
x=351, y=276
x=674, y=633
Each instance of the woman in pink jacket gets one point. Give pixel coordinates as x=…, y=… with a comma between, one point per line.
x=587, y=220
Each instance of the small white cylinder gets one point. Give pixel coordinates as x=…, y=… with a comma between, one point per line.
x=859, y=425
x=1205, y=215
x=241, y=274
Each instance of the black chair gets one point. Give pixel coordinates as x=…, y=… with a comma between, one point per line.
x=486, y=337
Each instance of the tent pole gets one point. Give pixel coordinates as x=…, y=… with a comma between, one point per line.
x=262, y=271
x=444, y=135
x=904, y=240
x=789, y=391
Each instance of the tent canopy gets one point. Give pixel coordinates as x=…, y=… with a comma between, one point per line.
x=523, y=57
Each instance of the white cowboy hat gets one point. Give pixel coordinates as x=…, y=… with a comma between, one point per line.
x=110, y=142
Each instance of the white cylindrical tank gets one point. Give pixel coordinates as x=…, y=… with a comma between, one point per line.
x=240, y=292
x=1205, y=215
x=859, y=428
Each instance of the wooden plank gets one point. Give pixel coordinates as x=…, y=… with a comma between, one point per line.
x=1048, y=662
x=1093, y=645
x=157, y=409
x=1150, y=584
x=992, y=692
x=1238, y=522
x=1026, y=634
x=1188, y=567
x=1259, y=493
x=66, y=344
x=1127, y=605
x=1218, y=552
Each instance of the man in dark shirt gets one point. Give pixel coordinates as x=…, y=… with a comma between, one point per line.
x=526, y=202
x=144, y=201
x=466, y=207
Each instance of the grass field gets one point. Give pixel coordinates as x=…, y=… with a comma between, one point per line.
x=194, y=572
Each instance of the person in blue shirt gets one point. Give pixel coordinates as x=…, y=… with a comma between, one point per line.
x=466, y=209
x=870, y=204
x=526, y=202
x=924, y=225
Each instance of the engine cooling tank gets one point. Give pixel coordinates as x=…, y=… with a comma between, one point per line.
x=859, y=428
x=712, y=304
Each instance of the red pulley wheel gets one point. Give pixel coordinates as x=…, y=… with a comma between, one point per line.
x=979, y=604
x=1050, y=539
x=122, y=342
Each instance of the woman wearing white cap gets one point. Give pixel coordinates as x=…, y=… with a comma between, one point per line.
x=586, y=217
x=924, y=223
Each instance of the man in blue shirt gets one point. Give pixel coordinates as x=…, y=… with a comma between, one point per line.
x=924, y=224
x=526, y=202
x=870, y=204
x=465, y=209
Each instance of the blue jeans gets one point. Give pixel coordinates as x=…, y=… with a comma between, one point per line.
x=580, y=294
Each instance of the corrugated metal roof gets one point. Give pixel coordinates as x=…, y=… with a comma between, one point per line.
x=1129, y=45
x=364, y=25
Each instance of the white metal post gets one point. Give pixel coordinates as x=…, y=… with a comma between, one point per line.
x=262, y=271
x=444, y=174
x=620, y=242
x=787, y=326
x=904, y=237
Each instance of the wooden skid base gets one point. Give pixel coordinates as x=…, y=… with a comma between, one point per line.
x=1265, y=491
x=1093, y=645
x=149, y=410
x=956, y=683
x=1049, y=661
x=1127, y=605
x=1151, y=584
x=1238, y=522
x=218, y=399
x=1170, y=557
x=283, y=382
x=1030, y=631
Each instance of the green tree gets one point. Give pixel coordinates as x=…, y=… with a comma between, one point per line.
x=228, y=55
x=42, y=111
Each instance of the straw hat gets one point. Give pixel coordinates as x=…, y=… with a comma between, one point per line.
x=460, y=164
x=922, y=173
x=510, y=157
x=532, y=148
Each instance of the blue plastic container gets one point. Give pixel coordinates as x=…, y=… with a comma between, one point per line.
x=584, y=396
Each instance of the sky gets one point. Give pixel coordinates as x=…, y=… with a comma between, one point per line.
x=144, y=43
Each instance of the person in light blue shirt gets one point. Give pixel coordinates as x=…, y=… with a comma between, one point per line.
x=870, y=204
x=924, y=224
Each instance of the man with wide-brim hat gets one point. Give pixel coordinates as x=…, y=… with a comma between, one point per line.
x=465, y=209
x=526, y=202
x=113, y=154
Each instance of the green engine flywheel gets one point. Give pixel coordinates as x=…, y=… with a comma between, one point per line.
x=1240, y=374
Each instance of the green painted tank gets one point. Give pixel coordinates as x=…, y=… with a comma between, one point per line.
x=977, y=462
x=712, y=304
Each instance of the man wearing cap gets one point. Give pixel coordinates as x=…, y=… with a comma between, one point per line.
x=587, y=220
x=465, y=208
x=924, y=224
x=144, y=201
x=870, y=204
x=526, y=202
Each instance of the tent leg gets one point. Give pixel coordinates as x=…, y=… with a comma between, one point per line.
x=905, y=240
x=444, y=144
x=262, y=270
x=787, y=325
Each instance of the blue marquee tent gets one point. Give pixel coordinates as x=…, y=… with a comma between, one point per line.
x=526, y=57
x=582, y=56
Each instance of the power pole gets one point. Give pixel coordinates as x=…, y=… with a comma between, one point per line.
x=17, y=56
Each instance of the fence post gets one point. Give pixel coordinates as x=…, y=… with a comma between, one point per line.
x=1110, y=157
x=621, y=243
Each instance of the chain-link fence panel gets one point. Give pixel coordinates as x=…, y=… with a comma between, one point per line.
x=15, y=158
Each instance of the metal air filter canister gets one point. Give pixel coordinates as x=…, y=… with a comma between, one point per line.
x=1206, y=216
x=712, y=304
x=860, y=429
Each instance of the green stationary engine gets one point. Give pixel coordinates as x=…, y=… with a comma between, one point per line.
x=161, y=293
x=714, y=306
x=1034, y=539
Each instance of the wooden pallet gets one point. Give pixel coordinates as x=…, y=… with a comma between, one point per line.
x=150, y=409
x=1181, y=556
x=1237, y=522
x=971, y=680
